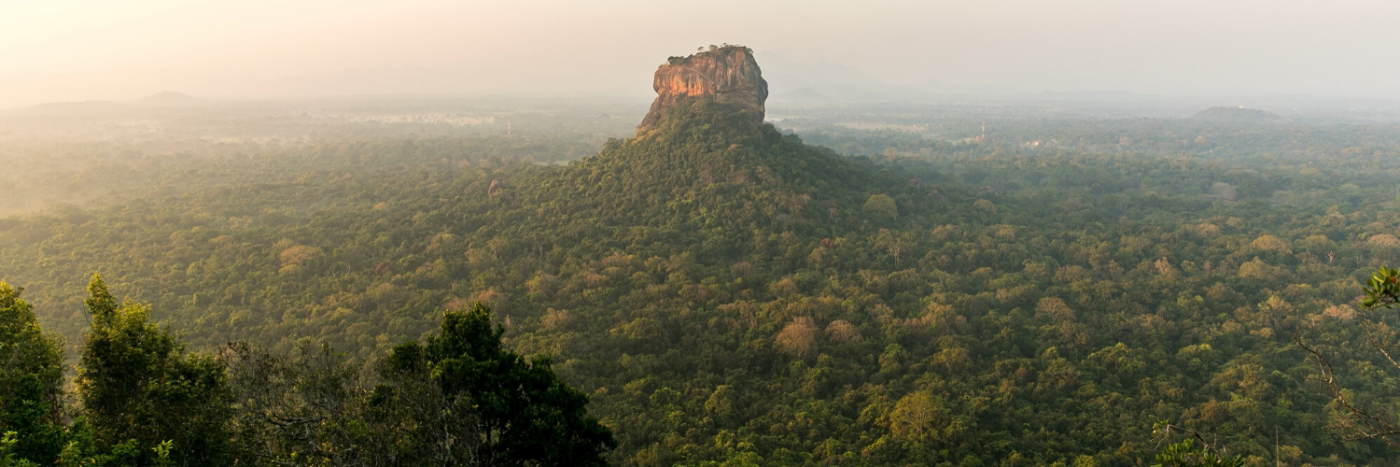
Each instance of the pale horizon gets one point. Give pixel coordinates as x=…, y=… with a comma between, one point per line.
x=106, y=50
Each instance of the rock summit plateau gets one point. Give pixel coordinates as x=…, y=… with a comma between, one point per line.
x=727, y=74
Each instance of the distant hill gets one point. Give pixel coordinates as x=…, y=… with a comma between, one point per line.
x=1239, y=115
x=82, y=109
x=156, y=104
x=171, y=99
x=110, y=109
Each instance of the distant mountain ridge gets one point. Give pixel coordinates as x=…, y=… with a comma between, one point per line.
x=171, y=99
x=1239, y=114
x=103, y=108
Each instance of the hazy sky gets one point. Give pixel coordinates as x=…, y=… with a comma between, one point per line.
x=109, y=49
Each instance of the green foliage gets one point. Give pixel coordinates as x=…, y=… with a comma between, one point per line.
x=882, y=205
x=459, y=399
x=31, y=378
x=8, y=455
x=311, y=408
x=1185, y=454
x=525, y=415
x=82, y=452
x=1382, y=289
x=301, y=409
x=141, y=391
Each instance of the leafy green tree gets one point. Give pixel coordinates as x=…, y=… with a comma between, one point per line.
x=458, y=400
x=301, y=409
x=882, y=205
x=433, y=429
x=1185, y=453
x=82, y=452
x=31, y=380
x=310, y=408
x=525, y=414
x=1363, y=419
x=142, y=392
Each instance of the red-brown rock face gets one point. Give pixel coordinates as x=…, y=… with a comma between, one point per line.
x=727, y=74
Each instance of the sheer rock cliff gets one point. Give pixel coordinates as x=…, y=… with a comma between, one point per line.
x=726, y=74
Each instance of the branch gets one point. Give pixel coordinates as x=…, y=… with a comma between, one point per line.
x=1376, y=342
x=1375, y=427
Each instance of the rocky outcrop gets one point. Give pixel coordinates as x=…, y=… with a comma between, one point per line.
x=726, y=74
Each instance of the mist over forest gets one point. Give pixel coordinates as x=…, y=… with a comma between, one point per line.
x=95, y=152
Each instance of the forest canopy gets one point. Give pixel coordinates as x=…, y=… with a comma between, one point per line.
x=724, y=293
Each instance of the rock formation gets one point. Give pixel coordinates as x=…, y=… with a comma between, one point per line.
x=726, y=74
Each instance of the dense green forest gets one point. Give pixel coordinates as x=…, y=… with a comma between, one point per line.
x=457, y=399
x=726, y=294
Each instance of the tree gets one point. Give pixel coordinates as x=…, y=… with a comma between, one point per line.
x=1362, y=422
x=301, y=409
x=1184, y=453
x=921, y=418
x=310, y=408
x=524, y=414
x=799, y=337
x=435, y=429
x=140, y=388
x=882, y=205
x=31, y=380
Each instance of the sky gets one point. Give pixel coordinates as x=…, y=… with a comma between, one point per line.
x=68, y=50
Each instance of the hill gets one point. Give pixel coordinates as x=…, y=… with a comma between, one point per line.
x=171, y=99
x=158, y=104
x=1238, y=115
